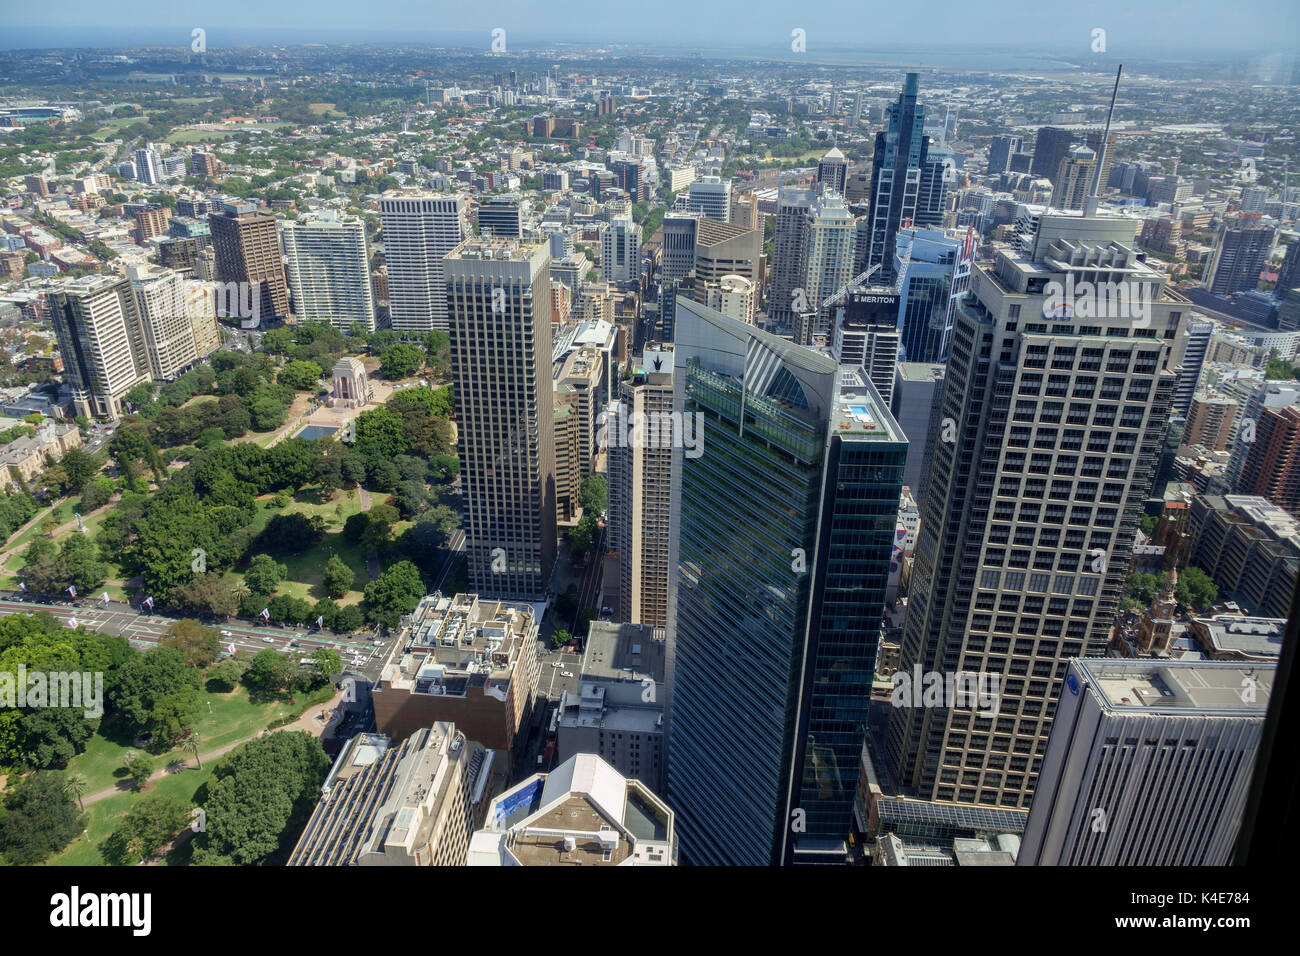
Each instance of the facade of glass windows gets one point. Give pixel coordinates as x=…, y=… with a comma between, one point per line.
x=743, y=538
x=865, y=458
x=782, y=534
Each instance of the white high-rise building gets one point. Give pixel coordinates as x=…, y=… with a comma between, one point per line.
x=148, y=166
x=328, y=267
x=828, y=254
x=711, y=196
x=1148, y=764
x=97, y=325
x=620, y=250
x=733, y=296
x=420, y=228
x=168, y=330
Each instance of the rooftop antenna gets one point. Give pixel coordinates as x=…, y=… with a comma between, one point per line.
x=1090, y=204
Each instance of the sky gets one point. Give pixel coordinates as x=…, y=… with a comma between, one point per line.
x=1170, y=27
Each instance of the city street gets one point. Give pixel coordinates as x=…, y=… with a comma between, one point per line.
x=144, y=630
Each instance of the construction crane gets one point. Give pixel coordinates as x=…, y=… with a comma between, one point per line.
x=838, y=295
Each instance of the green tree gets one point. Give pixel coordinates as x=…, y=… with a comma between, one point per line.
x=227, y=673
x=401, y=361
x=395, y=592
x=592, y=495
x=147, y=678
x=1195, y=589
x=261, y=795
x=269, y=673
x=264, y=574
x=327, y=662
x=139, y=768
x=39, y=818
x=560, y=637
x=301, y=375
x=148, y=825
x=198, y=644
x=338, y=578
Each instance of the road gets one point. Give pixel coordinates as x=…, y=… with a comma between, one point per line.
x=144, y=629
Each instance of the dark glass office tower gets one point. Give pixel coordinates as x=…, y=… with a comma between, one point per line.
x=905, y=184
x=785, y=468
x=863, y=477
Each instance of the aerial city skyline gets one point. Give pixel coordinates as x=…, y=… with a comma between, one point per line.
x=520, y=448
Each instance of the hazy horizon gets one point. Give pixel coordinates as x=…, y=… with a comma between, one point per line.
x=1167, y=28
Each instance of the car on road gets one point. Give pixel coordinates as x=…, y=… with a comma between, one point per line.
x=555, y=663
x=566, y=673
x=226, y=634
x=295, y=644
x=268, y=640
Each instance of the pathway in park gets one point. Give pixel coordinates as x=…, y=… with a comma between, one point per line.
x=372, y=559
x=308, y=721
x=66, y=526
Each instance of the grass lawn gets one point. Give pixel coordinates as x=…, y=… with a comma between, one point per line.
x=103, y=816
x=307, y=569
x=233, y=717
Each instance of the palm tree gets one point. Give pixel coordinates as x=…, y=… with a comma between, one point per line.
x=76, y=784
x=194, y=744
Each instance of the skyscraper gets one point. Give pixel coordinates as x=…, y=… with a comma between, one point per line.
x=788, y=253
x=1148, y=764
x=328, y=266
x=167, y=328
x=1051, y=422
x=247, y=248
x=420, y=228
x=711, y=196
x=827, y=259
x=620, y=250
x=498, y=298
x=927, y=259
x=901, y=161
x=148, y=166
x=1241, y=253
x=1001, y=149
x=97, y=325
x=1073, y=178
x=1051, y=146
x=762, y=525
x=833, y=170
x=501, y=216
x=640, y=491
x=862, y=478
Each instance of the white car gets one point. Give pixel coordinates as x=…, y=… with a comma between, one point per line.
x=555, y=663
x=566, y=673
x=268, y=640
x=226, y=634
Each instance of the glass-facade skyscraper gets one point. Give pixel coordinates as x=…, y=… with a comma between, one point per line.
x=758, y=684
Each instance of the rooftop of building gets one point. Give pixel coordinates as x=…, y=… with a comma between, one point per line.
x=1255, y=637
x=920, y=371
x=1179, y=687
x=582, y=813
x=859, y=412
x=624, y=652
x=379, y=795
x=454, y=644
